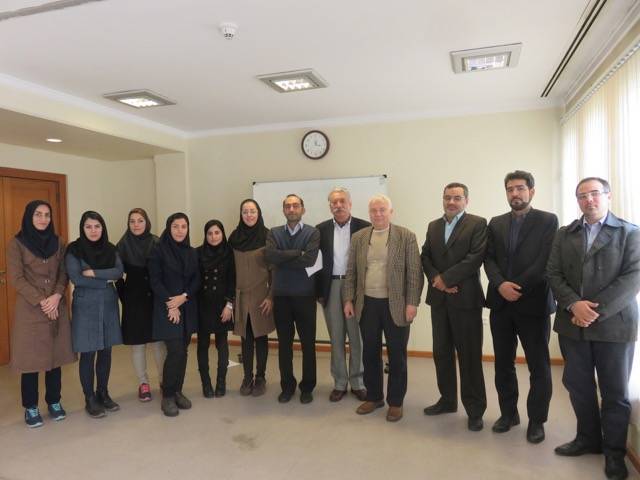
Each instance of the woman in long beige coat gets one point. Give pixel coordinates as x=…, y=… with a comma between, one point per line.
x=41, y=334
x=253, y=318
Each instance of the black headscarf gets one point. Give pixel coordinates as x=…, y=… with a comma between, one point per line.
x=42, y=243
x=135, y=249
x=98, y=255
x=178, y=255
x=245, y=238
x=210, y=256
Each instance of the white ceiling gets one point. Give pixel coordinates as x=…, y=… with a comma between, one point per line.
x=381, y=59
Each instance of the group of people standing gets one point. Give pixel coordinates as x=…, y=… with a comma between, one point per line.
x=369, y=282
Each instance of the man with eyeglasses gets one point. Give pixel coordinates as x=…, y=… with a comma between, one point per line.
x=451, y=257
x=518, y=247
x=291, y=248
x=594, y=271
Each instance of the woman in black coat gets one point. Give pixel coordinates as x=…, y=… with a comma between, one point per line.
x=175, y=279
x=136, y=296
x=215, y=304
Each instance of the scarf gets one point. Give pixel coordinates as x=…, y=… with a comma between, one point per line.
x=100, y=254
x=245, y=238
x=42, y=243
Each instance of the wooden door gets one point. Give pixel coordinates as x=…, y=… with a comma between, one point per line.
x=17, y=188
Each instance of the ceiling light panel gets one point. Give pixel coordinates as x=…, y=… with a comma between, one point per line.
x=295, y=81
x=489, y=58
x=139, y=98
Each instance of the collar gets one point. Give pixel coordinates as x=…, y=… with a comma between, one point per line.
x=454, y=219
x=296, y=229
x=347, y=223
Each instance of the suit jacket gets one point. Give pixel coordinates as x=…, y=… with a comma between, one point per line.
x=458, y=262
x=404, y=275
x=323, y=278
x=529, y=262
x=608, y=274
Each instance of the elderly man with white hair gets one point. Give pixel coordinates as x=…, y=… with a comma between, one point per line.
x=382, y=290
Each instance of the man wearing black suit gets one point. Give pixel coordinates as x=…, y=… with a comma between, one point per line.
x=451, y=257
x=518, y=247
x=335, y=237
x=594, y=271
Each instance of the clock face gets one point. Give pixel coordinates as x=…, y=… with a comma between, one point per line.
x=315, y=144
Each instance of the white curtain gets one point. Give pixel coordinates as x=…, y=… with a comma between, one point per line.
x=602, y=138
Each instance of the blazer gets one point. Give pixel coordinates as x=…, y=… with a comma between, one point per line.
x=529, y=262
x=323, y=278
x=404, y=275
x=608, y=274
x=458, y=262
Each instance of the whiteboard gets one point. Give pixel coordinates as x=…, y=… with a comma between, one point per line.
x=314, y=194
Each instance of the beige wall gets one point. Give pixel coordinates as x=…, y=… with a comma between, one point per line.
x=110, y=188
x=419, y=157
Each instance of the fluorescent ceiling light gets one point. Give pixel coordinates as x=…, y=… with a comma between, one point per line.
x=139, y=98
x=295, y=81
x=489, y=58
x=54, y=140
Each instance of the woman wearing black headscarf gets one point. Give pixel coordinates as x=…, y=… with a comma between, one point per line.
x=41, y=333
x=137, y=298
x=215, y=304
x=253, y=316
x=94, y=266
x=175, y=278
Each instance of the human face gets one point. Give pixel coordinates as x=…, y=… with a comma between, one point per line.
x=454, y=201
x=593, y=201
x=293, y=210
x=519, y=195
x=249, y=214
x=179, y=229
x=340, y=206
x=92, y=229
x=380, y=214
x=214, y=236
x=41, y=217
x=137, y=224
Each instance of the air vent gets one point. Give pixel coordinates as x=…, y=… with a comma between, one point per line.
x=295, y=81
x=43, y=8
x=139, y=98
x=487, y=58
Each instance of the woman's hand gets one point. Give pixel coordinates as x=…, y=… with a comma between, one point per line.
x=50, y=304
x=266, y=306
x=53, y=315
x=227, y=314
x=176, y=302
x=89, y=273
x=174, y=315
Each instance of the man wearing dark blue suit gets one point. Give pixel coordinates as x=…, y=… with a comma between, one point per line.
x=594, y=271
x=518, y=247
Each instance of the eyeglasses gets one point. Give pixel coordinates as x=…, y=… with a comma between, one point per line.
x=457, y=198
x=593, y=194
x=517, y=188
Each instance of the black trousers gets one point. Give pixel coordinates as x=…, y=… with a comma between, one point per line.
x=291, y=314
x=458, y=330
x=175, y=365
x=29, y=387
x=204, y=340
x=608, y=423
x=261, y=349
x=375, y=320
x=507, y=326
x=98, y=365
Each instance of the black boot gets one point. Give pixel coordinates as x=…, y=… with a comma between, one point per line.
x=93, y=407
x=106, y=401
x=207, y=389
x=221, y=386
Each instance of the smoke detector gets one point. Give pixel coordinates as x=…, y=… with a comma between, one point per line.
x=228, y=30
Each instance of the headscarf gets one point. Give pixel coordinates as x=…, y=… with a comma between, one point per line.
x=135, y=249
x=245, y=238
x=178, y=255
x=208, y=255
x=42, y=243
x=100, y=254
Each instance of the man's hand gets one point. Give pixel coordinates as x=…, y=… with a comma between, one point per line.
x=410, y=313
x=439, y=283
x=584, y=313
x=348, y=309
x=510, y=291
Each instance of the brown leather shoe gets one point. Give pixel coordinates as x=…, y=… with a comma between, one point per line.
x=394, y=414
x=337, y=395
x=360, y=394
x=368, y=407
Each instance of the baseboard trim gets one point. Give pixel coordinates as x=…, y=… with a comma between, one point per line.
x=634, y=459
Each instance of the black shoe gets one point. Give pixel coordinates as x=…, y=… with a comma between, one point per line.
x=535, y=432
x=221, y=389
x=505, y=422
x=284, y=397
x=207, y=390
x=306, y=397
x=439, y=408
x=575, y=448
x=169, y=407
x=247, y=387
x=182, y=402
x=615, y=468
x=94, y=408
x=107, y=402
x=259, y=386
x=475, y=424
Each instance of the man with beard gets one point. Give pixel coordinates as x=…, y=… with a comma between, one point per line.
x=518, y=246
